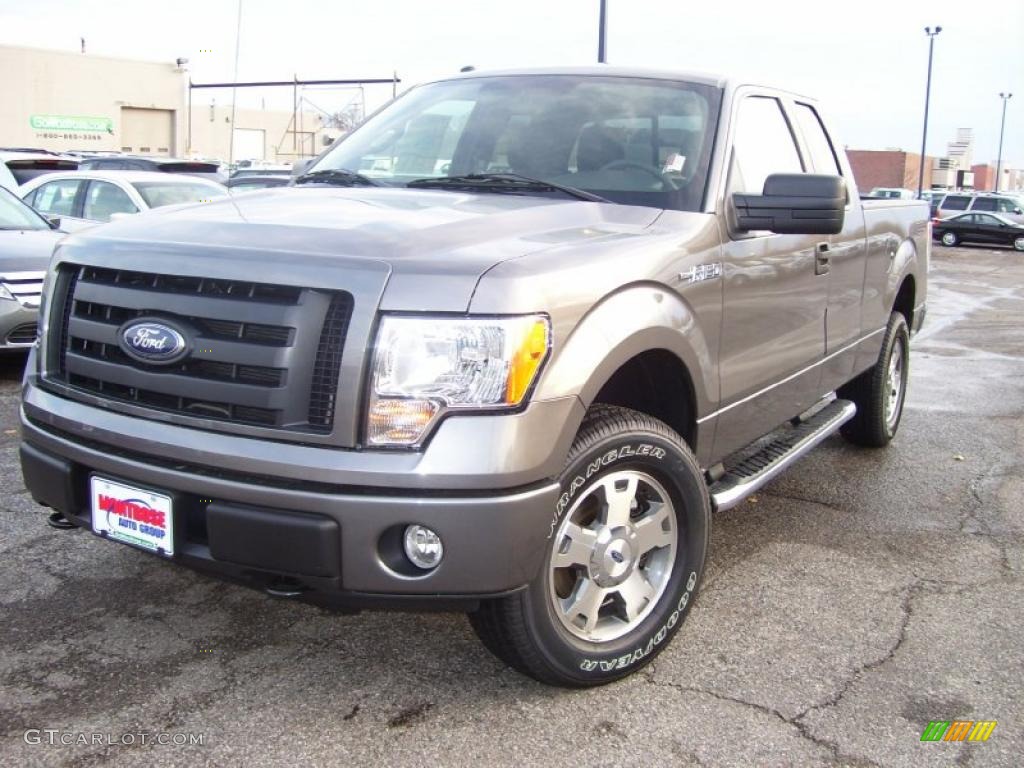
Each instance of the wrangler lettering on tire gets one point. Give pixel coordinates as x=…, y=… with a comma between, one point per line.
x=625, y=553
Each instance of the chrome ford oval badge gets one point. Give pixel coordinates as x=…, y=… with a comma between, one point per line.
x=152, y=342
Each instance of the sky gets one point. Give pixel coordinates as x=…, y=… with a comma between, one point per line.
x=865, y=60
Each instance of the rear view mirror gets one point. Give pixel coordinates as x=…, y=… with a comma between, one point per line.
x=794, y=204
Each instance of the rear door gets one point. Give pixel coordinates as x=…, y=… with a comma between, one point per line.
x=773, y=327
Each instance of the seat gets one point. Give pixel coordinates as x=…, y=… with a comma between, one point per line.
x=596, y=149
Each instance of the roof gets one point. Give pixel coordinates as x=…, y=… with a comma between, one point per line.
x=597, y=70
x=124, y=177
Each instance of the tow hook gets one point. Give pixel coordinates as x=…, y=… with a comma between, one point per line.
x=58, y=521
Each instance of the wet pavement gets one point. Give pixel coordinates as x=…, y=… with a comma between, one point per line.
x=857, y=598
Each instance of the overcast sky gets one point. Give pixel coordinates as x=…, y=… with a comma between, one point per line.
x=865, y=59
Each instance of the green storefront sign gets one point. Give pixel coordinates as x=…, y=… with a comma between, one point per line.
x=72, y=123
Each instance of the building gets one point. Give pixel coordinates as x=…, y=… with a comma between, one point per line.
x=63, y=100
x=888, y=168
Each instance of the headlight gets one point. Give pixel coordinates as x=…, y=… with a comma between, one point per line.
x=424, y=366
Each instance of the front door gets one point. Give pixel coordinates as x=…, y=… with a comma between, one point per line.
x=773, y=328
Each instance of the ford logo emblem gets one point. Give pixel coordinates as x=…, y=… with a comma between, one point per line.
x=153, y=342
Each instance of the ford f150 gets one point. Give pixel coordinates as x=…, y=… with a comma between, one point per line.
x=503, y=348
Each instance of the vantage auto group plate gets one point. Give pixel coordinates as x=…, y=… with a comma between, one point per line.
x=134, y=516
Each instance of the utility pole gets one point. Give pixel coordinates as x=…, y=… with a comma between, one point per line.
x=602, y=34
x=234, y=91
x=927, y=98
x=1002, y=127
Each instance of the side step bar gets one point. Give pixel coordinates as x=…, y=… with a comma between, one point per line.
x=754, y=472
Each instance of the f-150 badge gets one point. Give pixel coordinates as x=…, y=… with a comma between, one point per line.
x=702, y=272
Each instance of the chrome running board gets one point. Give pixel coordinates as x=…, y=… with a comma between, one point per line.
x=754, y=472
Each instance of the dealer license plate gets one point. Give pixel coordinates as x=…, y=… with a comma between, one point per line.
x=134, y=516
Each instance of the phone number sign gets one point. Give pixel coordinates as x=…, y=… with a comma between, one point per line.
x=72, y=123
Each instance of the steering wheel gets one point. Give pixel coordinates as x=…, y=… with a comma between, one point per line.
x=616, y=165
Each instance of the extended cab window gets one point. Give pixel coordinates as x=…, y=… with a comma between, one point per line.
x=823, y=155
x=630, y=140
x=763, y=145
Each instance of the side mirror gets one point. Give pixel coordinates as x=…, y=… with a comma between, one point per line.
x=1018, y=211
x=794, y=204
x=54, y=221
x=299, y=167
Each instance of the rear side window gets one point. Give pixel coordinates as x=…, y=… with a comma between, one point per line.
x=955, y=203
x=763, y=145
x=57, y=197
x=823, y=155
x=984, y=204
x=991, y=221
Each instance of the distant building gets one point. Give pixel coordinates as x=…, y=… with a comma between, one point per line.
x=64, y=100
x=888, y=168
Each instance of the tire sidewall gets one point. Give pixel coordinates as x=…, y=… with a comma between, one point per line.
x=589, y=663
x=898, y=335
x=949, y=239
x=1018, y=244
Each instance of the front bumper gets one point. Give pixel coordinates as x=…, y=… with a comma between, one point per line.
x=327, y=542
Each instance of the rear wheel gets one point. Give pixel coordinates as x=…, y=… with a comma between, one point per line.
x=625, y=555
x=880, y=391
x=950, y=238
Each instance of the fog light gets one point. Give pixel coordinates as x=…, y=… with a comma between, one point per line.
x=423, y=547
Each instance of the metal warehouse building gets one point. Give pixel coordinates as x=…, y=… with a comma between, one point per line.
x=62, y=100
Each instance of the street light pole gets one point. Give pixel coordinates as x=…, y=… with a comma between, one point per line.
x=1002, y=126
x=602, y=34
x=927, y=98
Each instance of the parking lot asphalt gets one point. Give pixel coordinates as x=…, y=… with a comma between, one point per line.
x=857, y=598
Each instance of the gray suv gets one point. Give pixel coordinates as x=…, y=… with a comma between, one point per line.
x=509, y=367
x=1007, y=206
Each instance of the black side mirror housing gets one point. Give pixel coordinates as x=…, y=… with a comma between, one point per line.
x=54, y=221
x=794, y=204
x=299, y=167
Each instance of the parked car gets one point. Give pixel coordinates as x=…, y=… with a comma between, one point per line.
x=26, y=244
x=1007, y=206
x=23, y=165
x=892, y=193
x=986, y=228
x=85, y=198
x=249, y=182
x=518, y=387
x=203, y=169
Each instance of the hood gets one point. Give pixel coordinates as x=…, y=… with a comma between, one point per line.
x=27, y=250
x=436, y=243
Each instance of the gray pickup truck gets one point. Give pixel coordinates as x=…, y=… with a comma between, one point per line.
x=502, y=349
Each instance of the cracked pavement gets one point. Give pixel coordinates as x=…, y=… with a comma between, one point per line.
x=856, y=598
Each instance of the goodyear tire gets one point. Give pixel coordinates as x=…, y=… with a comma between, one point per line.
x=624, y=560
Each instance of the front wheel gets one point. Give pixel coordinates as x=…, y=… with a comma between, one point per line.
x=628, y=540
x=950, y=239
x=880, y=391
x=1019, y=243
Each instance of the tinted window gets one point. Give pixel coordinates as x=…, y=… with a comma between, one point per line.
x=1007, y=206
x=822, y=153
x=633, y=141
x=763, y=145
x=955, y=203
x=57, y=198
x=990, y=221
x=984, y=204
x=103, y=199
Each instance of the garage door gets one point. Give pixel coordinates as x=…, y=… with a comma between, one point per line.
x=147, y=131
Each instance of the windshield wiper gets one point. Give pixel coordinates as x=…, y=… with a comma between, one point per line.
x=504, y=182
x=339, y=176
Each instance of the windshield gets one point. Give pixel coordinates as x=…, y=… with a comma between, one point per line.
x=629, y=140
x=160, y=193
x=14, y=214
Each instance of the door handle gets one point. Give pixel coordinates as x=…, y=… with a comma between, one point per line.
x=822, y=259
